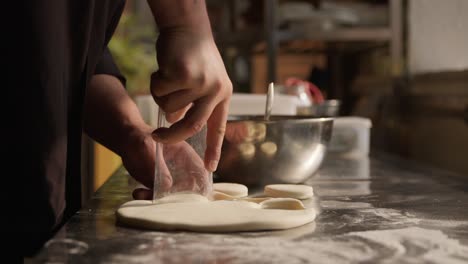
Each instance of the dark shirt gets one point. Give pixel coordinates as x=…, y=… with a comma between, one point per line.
x=65, y=44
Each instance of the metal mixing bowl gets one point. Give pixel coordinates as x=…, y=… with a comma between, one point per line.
x=286, y=149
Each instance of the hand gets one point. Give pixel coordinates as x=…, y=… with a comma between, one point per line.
x=192, y=87
x=186, y=169
x=181, y=168
x=138, y=155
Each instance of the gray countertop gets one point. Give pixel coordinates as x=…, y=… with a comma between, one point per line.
x=377, y=209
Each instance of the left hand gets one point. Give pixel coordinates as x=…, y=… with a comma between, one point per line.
x=186, y=173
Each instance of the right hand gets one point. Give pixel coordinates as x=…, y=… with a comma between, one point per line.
x=192, y=87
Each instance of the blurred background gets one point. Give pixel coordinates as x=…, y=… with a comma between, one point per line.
x=401, y=64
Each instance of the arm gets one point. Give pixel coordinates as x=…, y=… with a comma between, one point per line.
x=112, y=119
x=191, y=85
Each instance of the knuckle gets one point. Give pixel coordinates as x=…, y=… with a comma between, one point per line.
x=195, y=127
x=221, y=130
x=223, y=87
x=218, y=86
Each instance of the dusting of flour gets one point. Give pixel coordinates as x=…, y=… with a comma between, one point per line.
x=404, y=245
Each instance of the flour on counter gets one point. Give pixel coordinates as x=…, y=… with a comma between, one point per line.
x=332, y=204
x=403, y=245
x=414, y=244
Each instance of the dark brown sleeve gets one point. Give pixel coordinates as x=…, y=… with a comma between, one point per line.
x=106, y=65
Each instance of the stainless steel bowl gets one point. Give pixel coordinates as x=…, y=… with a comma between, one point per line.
x=329, y=108
x=286, y=149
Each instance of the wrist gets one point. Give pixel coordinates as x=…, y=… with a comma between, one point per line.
x=180, y=15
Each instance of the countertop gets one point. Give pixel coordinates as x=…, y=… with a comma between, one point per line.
x=373, y=209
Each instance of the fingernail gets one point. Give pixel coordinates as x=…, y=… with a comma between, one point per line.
x=213, y=165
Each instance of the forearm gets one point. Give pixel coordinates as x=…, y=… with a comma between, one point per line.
x=110, y=115
x=180, y=14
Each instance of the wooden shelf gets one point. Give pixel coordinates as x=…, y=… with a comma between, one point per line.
x=342, y=34
x=242, y=37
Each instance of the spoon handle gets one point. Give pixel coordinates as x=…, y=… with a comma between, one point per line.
x=269, y=101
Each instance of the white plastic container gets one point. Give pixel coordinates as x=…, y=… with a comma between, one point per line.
x=254, y=104
x=351, y=136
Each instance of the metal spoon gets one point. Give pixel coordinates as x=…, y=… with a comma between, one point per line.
x=269, y=101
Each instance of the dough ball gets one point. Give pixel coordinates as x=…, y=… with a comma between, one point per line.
x=269, y=148
x=297, y=191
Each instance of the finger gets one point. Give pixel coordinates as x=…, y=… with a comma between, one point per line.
x=142, y=194
x=162, y=86
x=140, y=164
x=178, y=100
x=176, y=116
x=215, y=135
x=191, y=124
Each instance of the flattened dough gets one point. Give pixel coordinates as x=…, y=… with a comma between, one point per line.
x=222, y=196
x=232, y=189
x=296, y=191
x=282, y=203
x=210, y=216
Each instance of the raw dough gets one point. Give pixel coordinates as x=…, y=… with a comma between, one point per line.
x=269, y=148
x=282, y=203
x=232, y=189
x=296, y=191
x=210, y=216
x=222, y=196
x=181, y=197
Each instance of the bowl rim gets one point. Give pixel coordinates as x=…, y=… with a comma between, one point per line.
x=283, y=119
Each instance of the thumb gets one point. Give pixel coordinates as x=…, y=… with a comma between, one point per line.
x=142, y=194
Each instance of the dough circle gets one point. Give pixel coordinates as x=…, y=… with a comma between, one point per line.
x=232, y=189
x=297, y=191
x=282, y=203
x=211, y=216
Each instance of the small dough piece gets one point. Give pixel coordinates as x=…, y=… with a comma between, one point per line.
x=217, y=196
x=232, y=189
x=297, y=191
x=283, y=203
x=246, y=150
x=269, y=148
